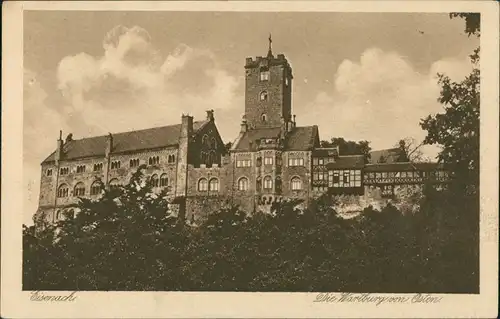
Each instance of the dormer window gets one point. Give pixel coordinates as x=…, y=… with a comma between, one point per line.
x=263, y=96
x=264, y=75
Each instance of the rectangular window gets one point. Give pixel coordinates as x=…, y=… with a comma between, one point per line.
x=403, y=174
x=243, y=163
x=295, y=162
x=357, y=175
x=268, y=161
x=321, y=161
x=264, y=75
x=321, y=176
x=315, y=161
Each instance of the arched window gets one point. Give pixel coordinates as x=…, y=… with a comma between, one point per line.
x=214, y=185
x=96, y=188
x=258, y=183
x=202, y=185
x=63, y=191
x=79, y=189
x=115, y=164
x=263, y=96
x=214, y=143
x=163, y=180
x=243, y=184
x=205, y=140
x=59, y=215
x=154, y=180
x=134, y=162
x=263, y=117
x=268, y=182
x=296, y=183
x=154, y=160
x=171, y=159
x=114, y=183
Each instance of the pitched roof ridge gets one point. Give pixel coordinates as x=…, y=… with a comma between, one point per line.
x=133, y=131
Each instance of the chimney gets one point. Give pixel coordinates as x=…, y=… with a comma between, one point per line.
x=69, y=138
x=294, y=122
x=244, y=125
x=109, y=144
x=210, y=115
x=186, y=126
x=59, y=149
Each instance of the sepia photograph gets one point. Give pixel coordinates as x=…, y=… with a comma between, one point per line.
x=333, y=153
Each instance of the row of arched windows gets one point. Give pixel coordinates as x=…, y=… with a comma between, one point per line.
x=162, y=181
x=208, y=186
x=295, y=183
x=79, y=189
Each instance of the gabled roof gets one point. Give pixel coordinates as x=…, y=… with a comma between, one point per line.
x=403, y=166
x=347, y=161
x=151, y=138
x=389, y=155
x=300, y=138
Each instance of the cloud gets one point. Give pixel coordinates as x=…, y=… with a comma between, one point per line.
x=131, y=85
x=380, y=98
x=131, y=78
x=40, y=125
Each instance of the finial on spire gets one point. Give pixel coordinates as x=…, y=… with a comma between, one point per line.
x=270, y=52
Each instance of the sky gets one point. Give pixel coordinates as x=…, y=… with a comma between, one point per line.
x=361, y=76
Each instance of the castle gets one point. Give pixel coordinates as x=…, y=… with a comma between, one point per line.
x=271, y=160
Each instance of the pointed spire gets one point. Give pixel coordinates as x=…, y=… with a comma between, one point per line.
x=270, y=52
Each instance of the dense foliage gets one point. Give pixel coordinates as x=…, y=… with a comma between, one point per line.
x=127, y=240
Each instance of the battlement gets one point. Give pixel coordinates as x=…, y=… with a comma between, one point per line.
x=266, y=61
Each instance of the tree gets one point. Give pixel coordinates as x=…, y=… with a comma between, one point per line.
x=411, y=150
x=457, y=128
x=349, y=147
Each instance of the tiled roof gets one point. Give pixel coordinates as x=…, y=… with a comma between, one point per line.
x=404, y=166
x=347, y=161
x=391, y=155
x=125, y=142
x=300, y=138
x=247, y=141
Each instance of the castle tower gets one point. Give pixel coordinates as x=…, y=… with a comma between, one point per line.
x=268, y=90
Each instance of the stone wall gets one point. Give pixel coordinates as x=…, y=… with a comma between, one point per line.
x=49, y=204
x=406, y=199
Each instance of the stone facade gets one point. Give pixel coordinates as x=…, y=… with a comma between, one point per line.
x=271, y=160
